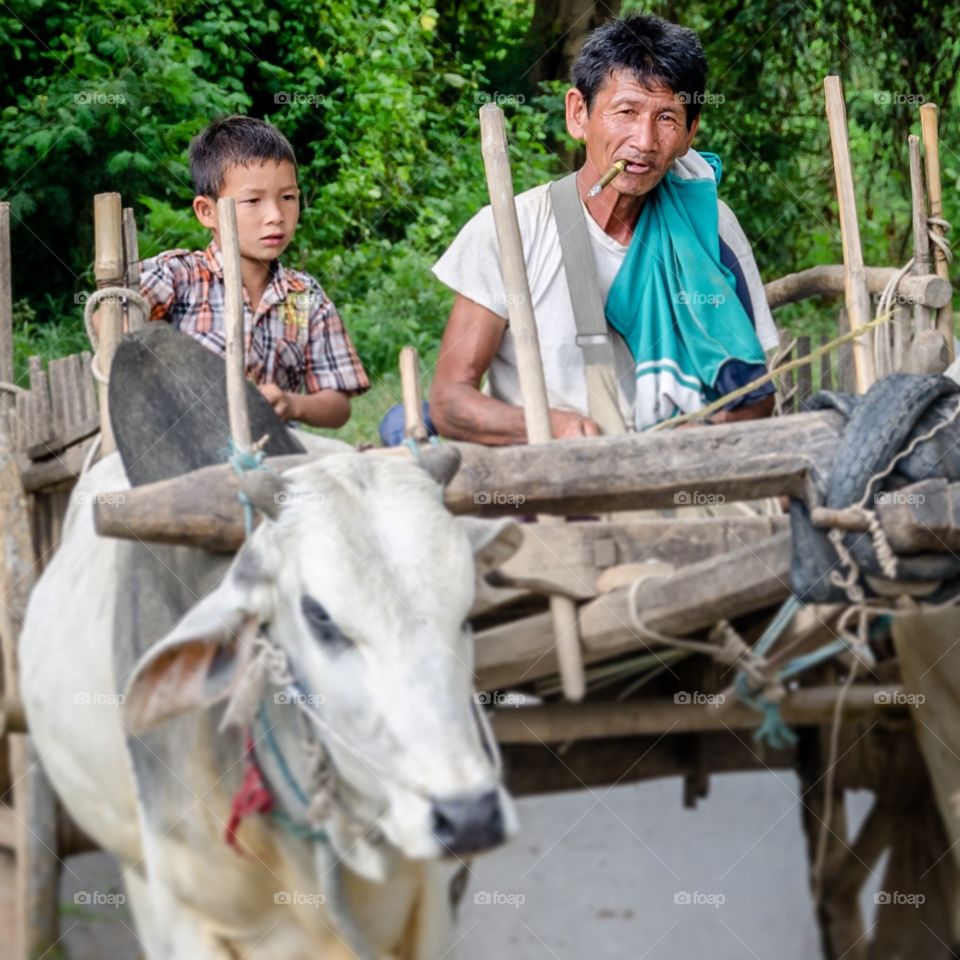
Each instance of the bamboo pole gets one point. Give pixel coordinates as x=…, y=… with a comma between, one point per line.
x=414, y=427
x=131, y=273
x=857, y=295
x=530, y=369
x=233, y=318
x=7, y=401
x=931, y=148
x=921, y=242
x=108, y=269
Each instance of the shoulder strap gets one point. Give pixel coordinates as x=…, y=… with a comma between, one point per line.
x=593, y=334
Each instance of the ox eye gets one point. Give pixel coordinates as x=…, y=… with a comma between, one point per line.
x=321, y=624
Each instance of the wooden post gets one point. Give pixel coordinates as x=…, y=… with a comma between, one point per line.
x=530, y=369
x=131, y=275
x=921, y=242
x=37, y=866
x=931, y=148
x=7, y=401
x=857, y=295
x=414, y=427
x=108, y=269
x=826, y=365
x=804, y=373
x=233, y=316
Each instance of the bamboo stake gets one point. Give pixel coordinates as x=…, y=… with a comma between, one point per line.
x=857, y=294
x=131, y=276
x=931, y=147
x=233, y=318
x=532, y=384
x=108, y=269
x=8, y=400
x=921, y=242
x=414, y=427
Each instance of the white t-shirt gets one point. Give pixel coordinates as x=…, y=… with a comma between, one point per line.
x=471, y=267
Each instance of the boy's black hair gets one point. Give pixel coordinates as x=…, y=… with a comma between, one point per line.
x=231, y=141
x=654, y=50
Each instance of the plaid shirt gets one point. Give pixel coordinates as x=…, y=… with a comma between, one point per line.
x=295, y=339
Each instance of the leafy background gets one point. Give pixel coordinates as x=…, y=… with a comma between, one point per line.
x=380, y=101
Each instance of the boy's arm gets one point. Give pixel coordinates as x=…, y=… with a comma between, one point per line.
x=325, y=408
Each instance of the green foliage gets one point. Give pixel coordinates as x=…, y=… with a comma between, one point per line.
x=380, y=101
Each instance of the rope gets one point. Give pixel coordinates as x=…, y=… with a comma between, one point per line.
x=93, y=300
x=940, y=239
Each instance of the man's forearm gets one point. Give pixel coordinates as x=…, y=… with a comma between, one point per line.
x=461, y=412
x=754, y=411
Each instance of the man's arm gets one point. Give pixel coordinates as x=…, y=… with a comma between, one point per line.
x=457, y=407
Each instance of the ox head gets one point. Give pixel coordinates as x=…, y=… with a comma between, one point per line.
x=365, y=581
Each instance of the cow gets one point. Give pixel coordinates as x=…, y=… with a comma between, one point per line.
x=310, y=700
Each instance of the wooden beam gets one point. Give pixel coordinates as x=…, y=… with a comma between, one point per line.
x=827, y=281
x=737, y=461
x=558, y=723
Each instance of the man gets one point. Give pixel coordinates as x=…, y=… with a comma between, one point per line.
x=678, y=282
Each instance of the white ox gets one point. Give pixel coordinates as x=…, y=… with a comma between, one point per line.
x=364, y=728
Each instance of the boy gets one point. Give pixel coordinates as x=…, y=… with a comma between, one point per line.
x=294, y=338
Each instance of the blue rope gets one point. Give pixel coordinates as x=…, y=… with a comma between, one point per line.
x=296, y=829
x=243, y=461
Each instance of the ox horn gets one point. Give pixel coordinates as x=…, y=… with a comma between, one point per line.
x=441, y=463
x=264, y=489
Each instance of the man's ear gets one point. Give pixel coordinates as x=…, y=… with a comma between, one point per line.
x=493, y=541
x=576, y=111
x=206, y=210
x=691, y=133
x=197, y=664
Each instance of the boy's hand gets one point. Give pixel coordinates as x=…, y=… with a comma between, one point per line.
x=277, y=399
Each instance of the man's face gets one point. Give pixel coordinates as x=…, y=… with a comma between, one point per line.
x=268, y=207
x=646, y=126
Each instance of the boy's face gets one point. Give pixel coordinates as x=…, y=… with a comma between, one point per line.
x=268, y=207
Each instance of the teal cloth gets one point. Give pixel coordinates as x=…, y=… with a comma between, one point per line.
x=675, y=304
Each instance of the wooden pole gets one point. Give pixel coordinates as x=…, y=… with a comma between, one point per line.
x=921, y=242
x=857, y=295
x=108, y=269
x=414, y=427
x=7, y=401
x=37, y=862
x=131, y=277
x=233, y=316
x=931, y=148
x=529, y=366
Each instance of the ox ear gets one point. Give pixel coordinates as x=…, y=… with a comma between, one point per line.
x=196, y=665
x=493, y=541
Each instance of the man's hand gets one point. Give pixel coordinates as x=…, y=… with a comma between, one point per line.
x=277, y=399
x=565, y=424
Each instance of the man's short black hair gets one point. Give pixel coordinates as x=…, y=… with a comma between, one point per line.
x=656, y=51
x=234, y=141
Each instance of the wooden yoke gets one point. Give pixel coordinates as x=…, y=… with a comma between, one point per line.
x=529, y=367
